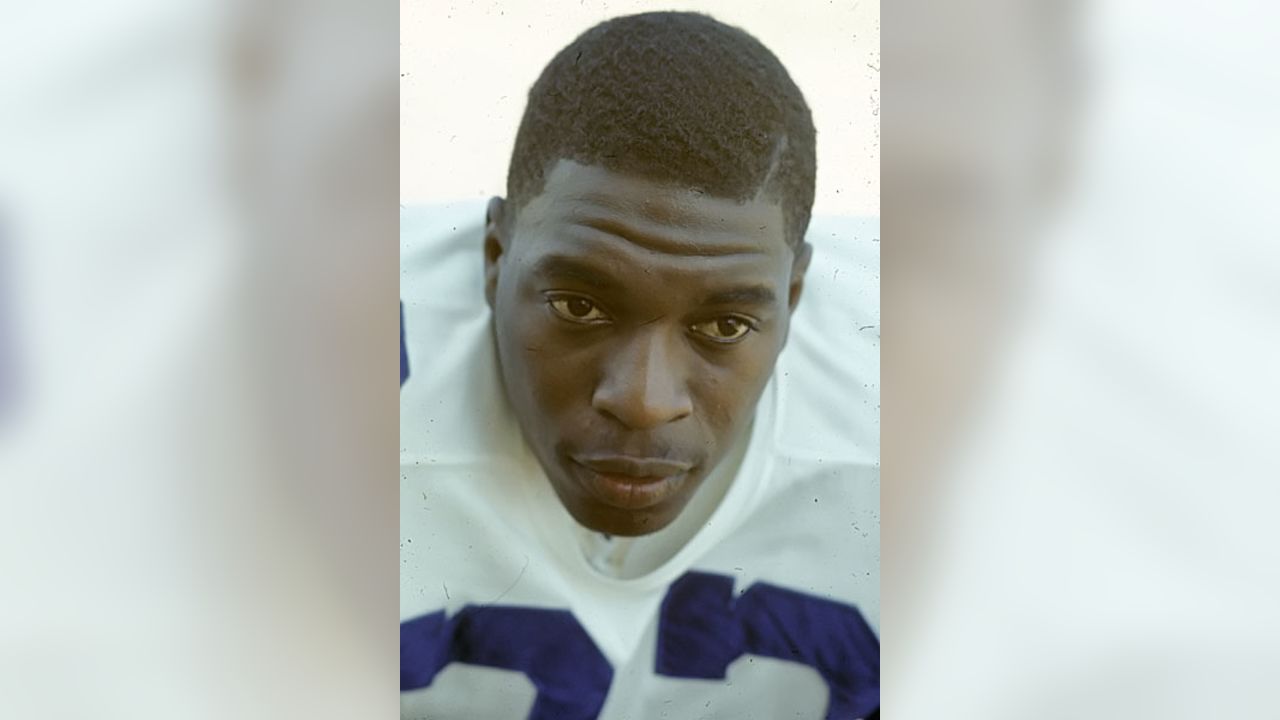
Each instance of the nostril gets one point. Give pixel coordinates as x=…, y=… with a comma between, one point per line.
x=640, y=414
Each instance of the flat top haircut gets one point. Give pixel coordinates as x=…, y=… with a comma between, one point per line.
x=672, y=97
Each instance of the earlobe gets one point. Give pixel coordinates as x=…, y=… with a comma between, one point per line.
x=495, y=244
x=799, y=266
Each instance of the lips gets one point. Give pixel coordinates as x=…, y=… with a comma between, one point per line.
x=631, y=483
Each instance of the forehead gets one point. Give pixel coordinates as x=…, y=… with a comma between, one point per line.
x=680, y=224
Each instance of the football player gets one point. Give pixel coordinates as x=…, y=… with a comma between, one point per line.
x=620, y=497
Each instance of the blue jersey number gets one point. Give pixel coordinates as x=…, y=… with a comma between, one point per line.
x=702, y=629
x=549, y=646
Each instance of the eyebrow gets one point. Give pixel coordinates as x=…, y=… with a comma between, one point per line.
x=748, y=295
x=572, y=269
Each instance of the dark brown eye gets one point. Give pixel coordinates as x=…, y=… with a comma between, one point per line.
x=576, y=308
x=724, y=330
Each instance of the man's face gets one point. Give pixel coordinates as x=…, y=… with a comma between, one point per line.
x=636, y=326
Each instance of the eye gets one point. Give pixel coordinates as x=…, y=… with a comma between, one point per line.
x=576, y=308
x=727, y=329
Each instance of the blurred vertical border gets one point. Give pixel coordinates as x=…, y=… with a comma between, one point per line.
x=199, y=285
x=1080, y=339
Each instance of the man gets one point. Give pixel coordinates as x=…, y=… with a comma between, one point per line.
x=619, y=497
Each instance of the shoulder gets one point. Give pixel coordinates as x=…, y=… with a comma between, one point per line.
x=828, y=376
x=441, y=255
x=450, y=404
x=441, y=277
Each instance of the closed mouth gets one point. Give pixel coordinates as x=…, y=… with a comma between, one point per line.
x=631, y=483
x=633, y=468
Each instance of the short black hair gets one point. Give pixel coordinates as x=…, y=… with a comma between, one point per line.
x=672, y=97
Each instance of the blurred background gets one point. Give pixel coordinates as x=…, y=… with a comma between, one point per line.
x=1080, y=336
x=198, y=291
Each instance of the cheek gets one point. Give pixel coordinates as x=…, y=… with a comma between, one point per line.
x=554, y=375
x=518, y=352
x=726, y=393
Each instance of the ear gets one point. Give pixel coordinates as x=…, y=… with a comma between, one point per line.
x=799, y=266
x=495, y=245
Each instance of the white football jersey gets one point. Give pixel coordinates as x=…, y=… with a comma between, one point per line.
x=760, y=601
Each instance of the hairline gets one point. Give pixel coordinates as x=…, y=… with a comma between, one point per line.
x=763, y=192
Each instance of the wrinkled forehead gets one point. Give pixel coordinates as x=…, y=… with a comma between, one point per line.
x=663, y=218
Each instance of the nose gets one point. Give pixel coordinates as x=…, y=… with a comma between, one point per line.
x=643, y=386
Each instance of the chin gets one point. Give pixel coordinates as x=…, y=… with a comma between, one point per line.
x=624, y=523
